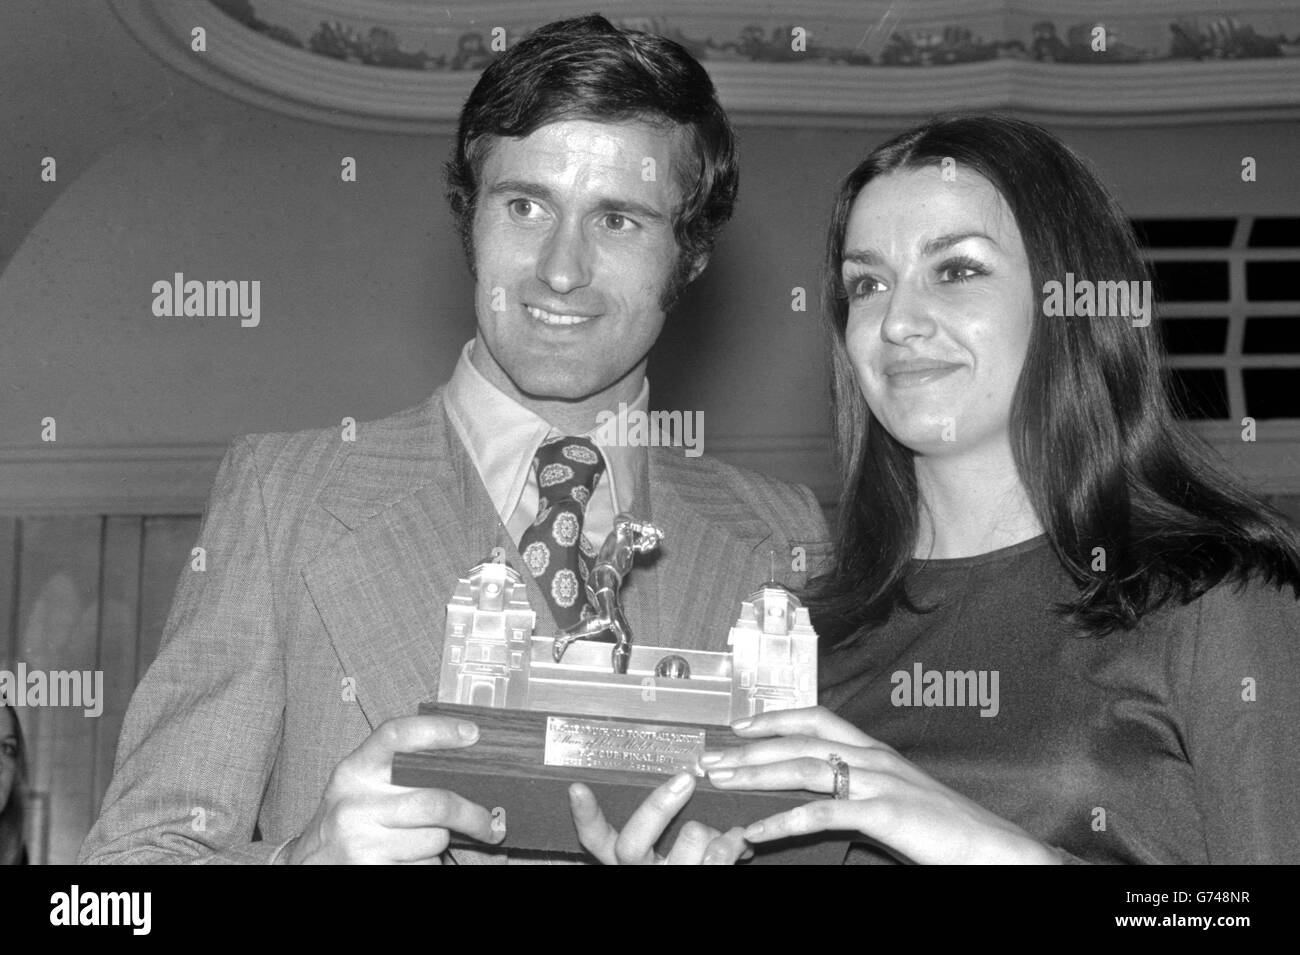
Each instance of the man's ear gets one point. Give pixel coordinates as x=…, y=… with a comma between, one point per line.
x=697, y=267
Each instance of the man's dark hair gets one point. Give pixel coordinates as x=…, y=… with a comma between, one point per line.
x=586, y=68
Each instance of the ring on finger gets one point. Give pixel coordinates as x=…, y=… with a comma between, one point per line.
x=840, y=777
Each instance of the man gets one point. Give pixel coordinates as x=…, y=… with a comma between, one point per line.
x=592, y=170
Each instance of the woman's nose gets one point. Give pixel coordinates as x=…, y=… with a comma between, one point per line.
x=909, y=314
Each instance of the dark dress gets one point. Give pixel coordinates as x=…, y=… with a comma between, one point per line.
x=1177, y=742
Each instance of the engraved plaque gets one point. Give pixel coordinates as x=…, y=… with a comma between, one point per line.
x=634, y=747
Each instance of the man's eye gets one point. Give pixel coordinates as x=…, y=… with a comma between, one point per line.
x=524, y=208
x=617, y=222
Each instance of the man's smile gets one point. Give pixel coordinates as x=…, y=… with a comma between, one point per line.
x=556, y=318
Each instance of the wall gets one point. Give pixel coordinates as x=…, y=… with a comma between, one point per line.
x=364, y=293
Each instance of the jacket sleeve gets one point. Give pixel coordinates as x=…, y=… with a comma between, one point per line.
x=204, y=725
x=1242, y=712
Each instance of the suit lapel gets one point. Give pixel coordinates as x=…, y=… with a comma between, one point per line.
x=381, y=596
x=419, y=518
x=640, y=592
x=709, y=561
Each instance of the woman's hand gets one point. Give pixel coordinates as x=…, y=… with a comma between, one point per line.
x=889, y=799
x=697, y=844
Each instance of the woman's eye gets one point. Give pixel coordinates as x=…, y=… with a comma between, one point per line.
x=862, y=285
x=962, y=271
x=9, y=749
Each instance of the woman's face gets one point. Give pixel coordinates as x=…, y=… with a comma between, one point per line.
x=8, y=755
x=940, y=309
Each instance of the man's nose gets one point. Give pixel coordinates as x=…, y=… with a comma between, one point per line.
x=565, y=260
x=909, y=314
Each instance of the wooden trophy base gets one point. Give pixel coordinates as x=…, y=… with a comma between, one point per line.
x=506, y=769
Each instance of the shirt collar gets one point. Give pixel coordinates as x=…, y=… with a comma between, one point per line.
x=502, y=437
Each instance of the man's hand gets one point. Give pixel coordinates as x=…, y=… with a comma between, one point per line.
x=697, y=844
x=363, y=818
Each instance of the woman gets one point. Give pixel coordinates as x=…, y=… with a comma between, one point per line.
x=1054, y=630
x=12, y=779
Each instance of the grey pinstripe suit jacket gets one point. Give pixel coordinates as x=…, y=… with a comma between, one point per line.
x=329, y=566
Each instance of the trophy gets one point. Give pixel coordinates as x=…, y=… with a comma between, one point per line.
x=590, y=706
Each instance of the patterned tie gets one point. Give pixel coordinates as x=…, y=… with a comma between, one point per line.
x=567, y=472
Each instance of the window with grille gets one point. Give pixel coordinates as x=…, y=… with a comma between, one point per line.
x=1230, y=317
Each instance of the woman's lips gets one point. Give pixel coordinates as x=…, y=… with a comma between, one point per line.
x=913, y=374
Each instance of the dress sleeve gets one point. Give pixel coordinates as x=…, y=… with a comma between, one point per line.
x=1242, y=713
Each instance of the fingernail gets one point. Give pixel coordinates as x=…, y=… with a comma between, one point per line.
x=721, y=775
x=741, y=724
x=708, y=759
x=754, y=831
x=467, y=730
x=679, y=783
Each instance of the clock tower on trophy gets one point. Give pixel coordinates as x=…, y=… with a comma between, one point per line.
x=774, y=654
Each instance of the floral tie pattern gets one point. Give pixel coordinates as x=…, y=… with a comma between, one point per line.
x=557, y=554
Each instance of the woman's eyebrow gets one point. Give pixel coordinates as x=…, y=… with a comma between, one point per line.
x=939, y=243
x=931, y=247
x=863, y=256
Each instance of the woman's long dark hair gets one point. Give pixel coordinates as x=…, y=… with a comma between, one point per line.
x=12, y=848
x=1096, y=443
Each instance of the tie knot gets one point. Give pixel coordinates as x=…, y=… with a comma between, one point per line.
x=568, y=463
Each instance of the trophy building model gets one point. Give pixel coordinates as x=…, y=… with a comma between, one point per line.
x=491, y=657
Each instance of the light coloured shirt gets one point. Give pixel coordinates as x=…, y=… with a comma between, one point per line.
x=502, y=437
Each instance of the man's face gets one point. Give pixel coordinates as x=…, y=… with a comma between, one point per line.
x=573, y=249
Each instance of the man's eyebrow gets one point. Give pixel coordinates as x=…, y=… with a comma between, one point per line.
x=638, y=210
x=519, y=185
x=603, y=204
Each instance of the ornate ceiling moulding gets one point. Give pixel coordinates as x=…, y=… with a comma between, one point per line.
x=408, y=66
